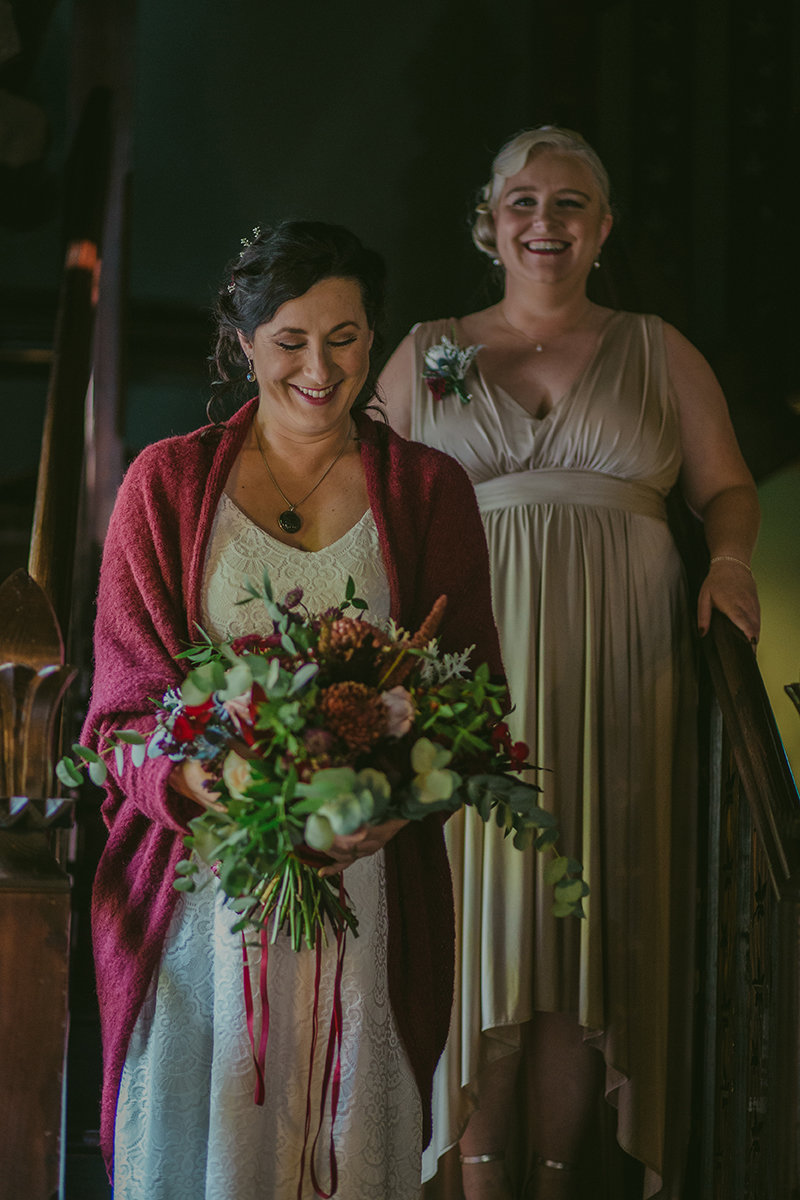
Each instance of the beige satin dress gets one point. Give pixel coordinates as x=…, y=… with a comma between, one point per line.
x=590, y=600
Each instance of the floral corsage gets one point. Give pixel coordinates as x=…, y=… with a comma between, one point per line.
x=446, y=366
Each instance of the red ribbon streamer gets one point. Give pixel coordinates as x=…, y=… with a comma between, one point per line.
x=333, y=1065
x=334, y=1051
x=332, y=1075
x=260, y=1054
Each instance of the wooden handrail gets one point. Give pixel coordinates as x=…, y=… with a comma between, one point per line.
x=750, y=1111
x=53, y=536
x=757, y=747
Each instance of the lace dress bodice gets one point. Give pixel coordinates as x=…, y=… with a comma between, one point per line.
x=240, y=550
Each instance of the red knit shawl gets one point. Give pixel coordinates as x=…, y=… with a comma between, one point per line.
x=432, y=542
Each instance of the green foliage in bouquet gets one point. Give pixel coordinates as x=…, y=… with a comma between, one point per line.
x=328, y=723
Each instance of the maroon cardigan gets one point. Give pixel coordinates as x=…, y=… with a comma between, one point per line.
x=432, y=542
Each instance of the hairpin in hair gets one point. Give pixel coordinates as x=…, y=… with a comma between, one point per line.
x=246, y=243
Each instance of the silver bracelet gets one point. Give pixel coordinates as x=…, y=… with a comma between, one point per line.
x=730, y=558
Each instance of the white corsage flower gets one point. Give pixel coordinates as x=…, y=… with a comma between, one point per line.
x=446, y=366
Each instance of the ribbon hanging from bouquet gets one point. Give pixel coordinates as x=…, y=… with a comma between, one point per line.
x=260, y=1054
x=332, y=1074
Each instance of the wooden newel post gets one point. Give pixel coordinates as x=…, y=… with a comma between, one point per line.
x=34, y=895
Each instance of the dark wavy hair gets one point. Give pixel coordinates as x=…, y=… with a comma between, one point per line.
x=280, y=264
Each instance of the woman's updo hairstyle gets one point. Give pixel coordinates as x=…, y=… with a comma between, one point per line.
x=280, y=264
x=512, y=158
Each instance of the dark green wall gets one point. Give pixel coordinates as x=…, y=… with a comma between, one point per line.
x=385, y=117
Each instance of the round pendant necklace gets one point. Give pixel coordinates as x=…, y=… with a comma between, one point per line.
x=290, y=520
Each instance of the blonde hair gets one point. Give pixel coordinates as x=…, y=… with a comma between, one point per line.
x=513, y=157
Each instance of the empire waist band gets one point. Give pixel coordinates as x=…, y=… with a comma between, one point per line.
x=558, y=485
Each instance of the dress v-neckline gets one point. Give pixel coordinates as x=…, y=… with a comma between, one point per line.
x=285, y=545
x=495, y=390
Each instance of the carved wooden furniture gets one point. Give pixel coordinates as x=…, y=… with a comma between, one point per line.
x=34, y=894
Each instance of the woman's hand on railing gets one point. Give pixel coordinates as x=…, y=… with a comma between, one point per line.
x=730, y=587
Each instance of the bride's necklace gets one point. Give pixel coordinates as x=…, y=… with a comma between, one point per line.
x=290, y=520
x=536, y=342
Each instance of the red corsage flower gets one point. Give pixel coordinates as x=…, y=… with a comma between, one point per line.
x=192, y=721
x=501, y=740
x=437, y=386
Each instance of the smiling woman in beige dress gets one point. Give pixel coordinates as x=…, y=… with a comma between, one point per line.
x=580, y=420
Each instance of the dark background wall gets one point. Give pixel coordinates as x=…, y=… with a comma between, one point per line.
x=385, y=118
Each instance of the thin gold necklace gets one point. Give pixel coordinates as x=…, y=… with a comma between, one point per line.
x=537, y=344
x=290, y=520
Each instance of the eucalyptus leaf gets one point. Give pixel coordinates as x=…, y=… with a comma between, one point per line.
x=192, y=693
x=138, y=753
x=186, y=867
x=544, y=820
x=523, y=796
x=546, y=838
x=98, y=772
x=154, y=746
x=484, y=806
x=556, y=869
x=273, y=675
x=119, y=758
x=183, y=884
x=319, y=834
x=561, y=909
x=68, y=773
x=523, y=839
x=85, y=753
x=569, y=890
x=238, y=680
x=303, y=676
x=130, y=737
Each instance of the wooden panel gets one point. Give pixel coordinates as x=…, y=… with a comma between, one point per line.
x=34, y=939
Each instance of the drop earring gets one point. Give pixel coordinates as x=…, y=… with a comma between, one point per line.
x=251, y=374
x=596, y=263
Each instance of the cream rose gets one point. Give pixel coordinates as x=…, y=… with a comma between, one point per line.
x=399, y=711
x=237, y=775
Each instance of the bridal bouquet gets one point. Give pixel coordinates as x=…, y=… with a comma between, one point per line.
x=328, y=723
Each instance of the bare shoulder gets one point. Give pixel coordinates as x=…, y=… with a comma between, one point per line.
x=476, y=326
x=712, y=460
x=397, y=385
x=688, y=368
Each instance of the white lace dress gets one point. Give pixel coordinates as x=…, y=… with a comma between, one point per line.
x=187, y=1127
